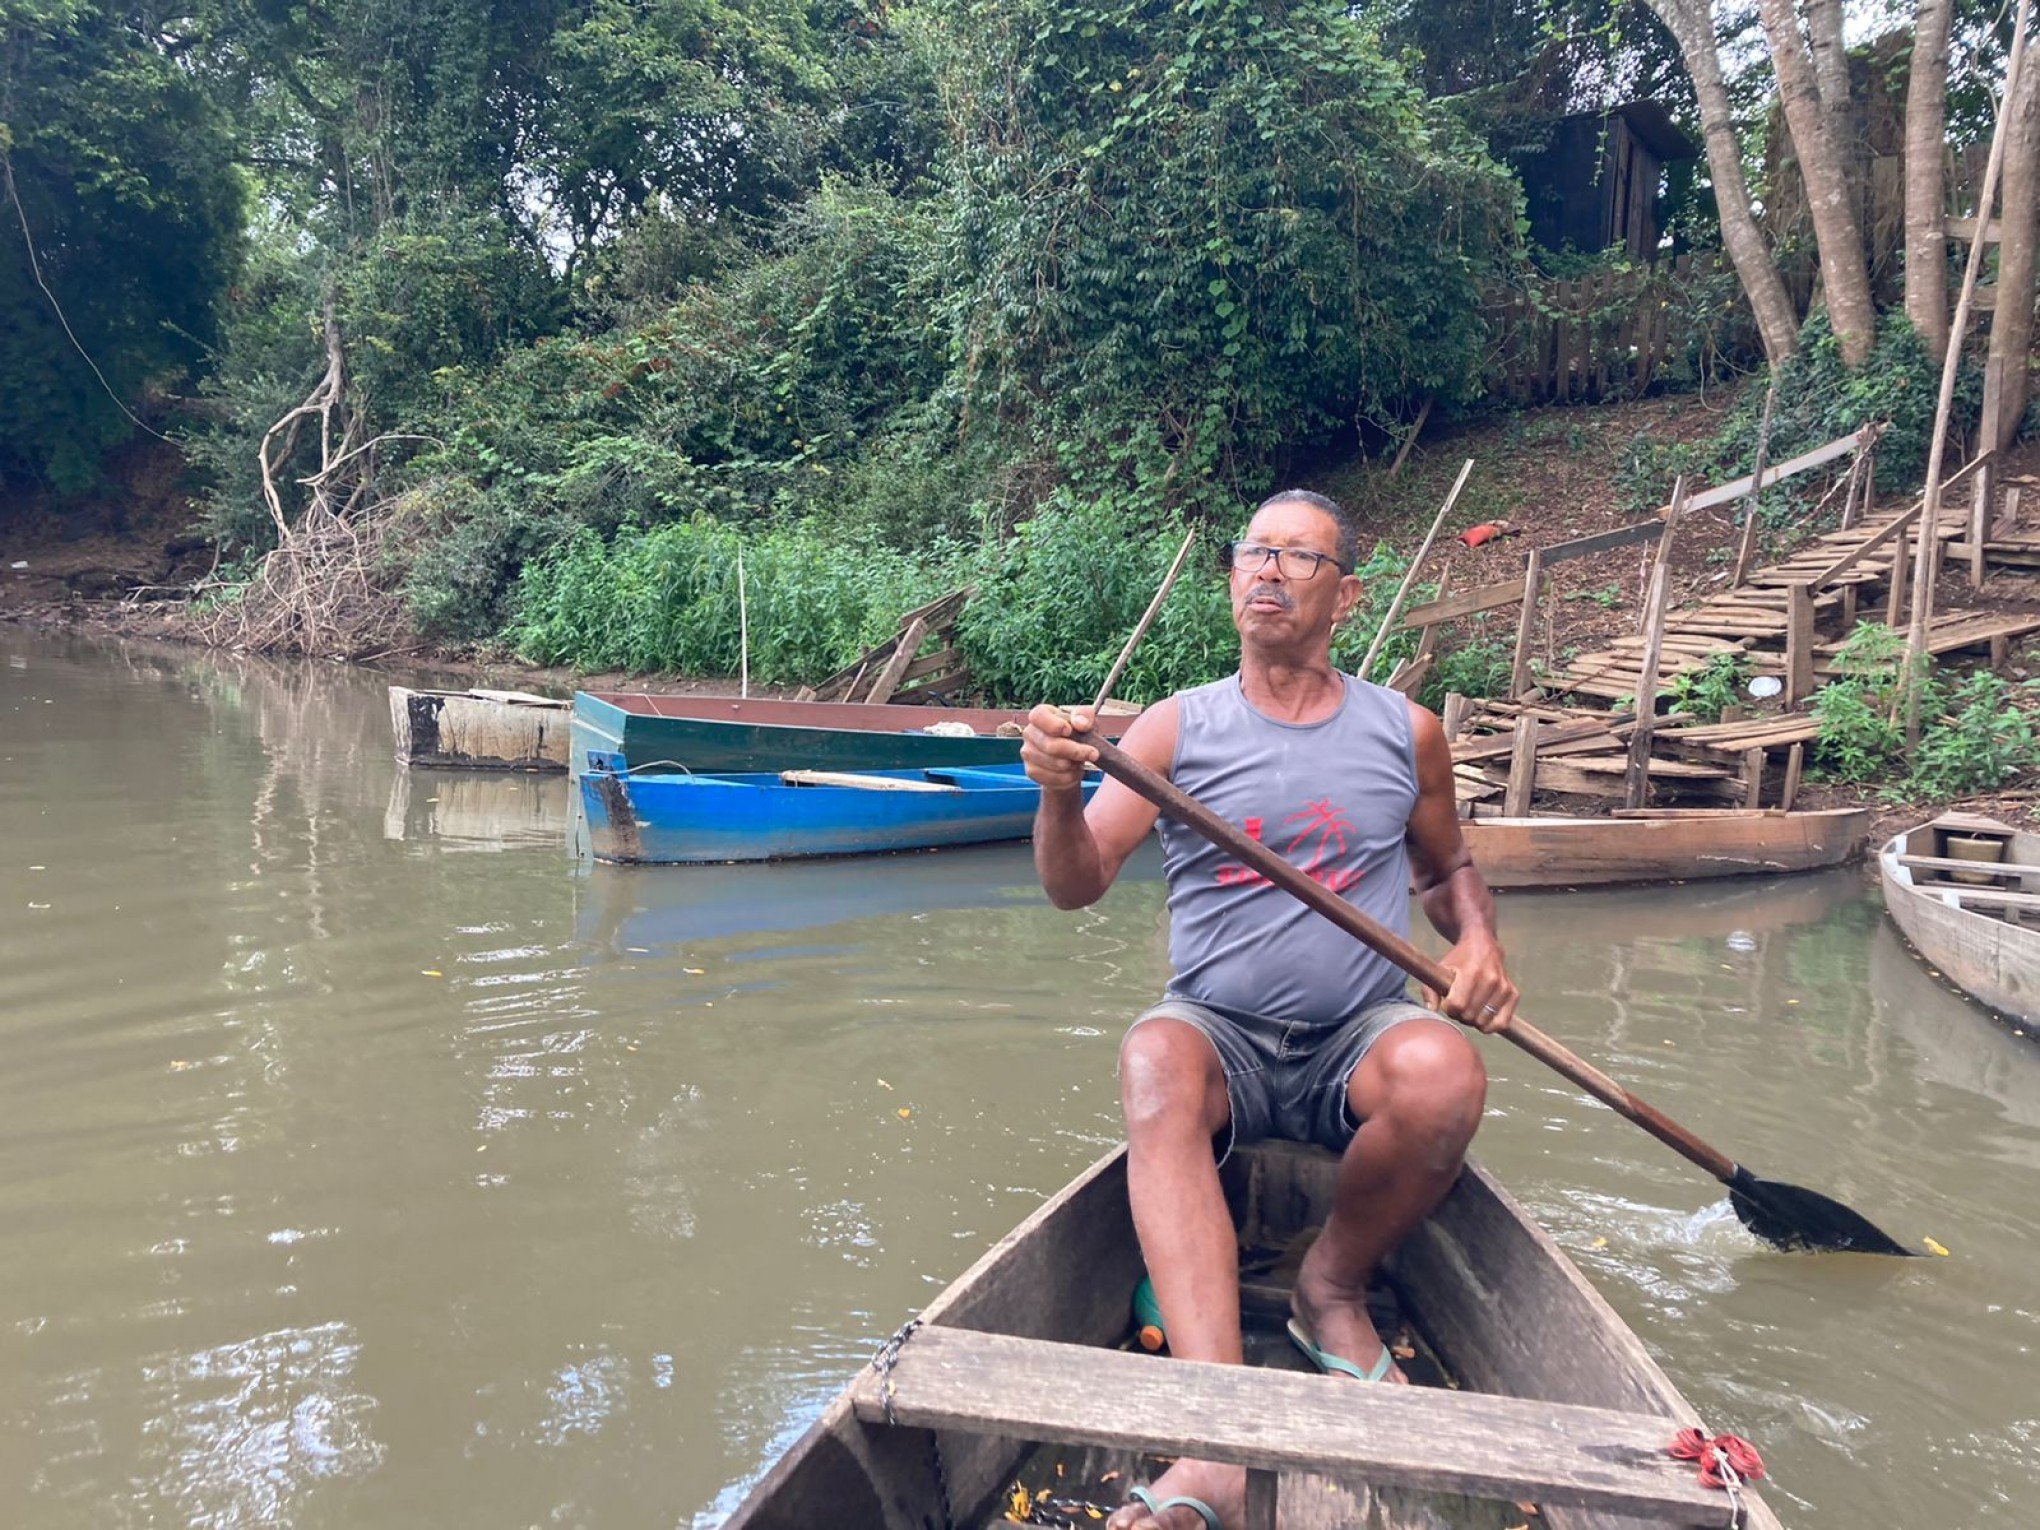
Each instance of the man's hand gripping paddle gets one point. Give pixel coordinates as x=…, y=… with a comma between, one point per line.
x=1784, y=1215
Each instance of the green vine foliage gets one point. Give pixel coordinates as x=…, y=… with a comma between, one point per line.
x=1187, y=235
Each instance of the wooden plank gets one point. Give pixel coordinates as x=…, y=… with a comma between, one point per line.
x=1522, y=768
x=1467, y=603
x=1495, y=746
x=1795, y=762
x=1949, y=863
x=1526, y=624
x=1894, y=598
x=1636, y=782
x=1983, y=897
x=1753, y=778
x=867, y=783
x=1805, y=462
x=930, y=664
x=1964, y=229
x=1420, y=1437
x=1456, y=708
x=1798, y=644
x=912, y=635
x=1603, y=541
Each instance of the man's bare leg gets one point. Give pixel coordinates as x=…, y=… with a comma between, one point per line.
x=1172, y=1089
x=1418, y=1095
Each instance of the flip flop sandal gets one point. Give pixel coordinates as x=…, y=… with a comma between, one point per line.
x=1330, y=1363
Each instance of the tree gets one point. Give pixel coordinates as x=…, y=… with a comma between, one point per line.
x=1691, y=23
x=1811, y=120
x=2007, y=372
x=1926, y=127
x=120, y=226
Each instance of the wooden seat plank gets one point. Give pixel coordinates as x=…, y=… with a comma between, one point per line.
x=1950, y=863
x=868, y=783
x=1416, y=1437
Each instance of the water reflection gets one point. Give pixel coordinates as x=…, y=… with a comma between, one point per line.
x=355, y=1179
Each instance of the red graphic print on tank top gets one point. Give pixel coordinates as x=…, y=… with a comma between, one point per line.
x=1323, y=827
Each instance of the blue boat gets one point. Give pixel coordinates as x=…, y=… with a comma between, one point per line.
x=647, y=818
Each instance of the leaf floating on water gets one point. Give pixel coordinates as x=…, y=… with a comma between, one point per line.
x=1935, y=1248
x=883, y=1084
x=430, y=972
x=178, y=1065
x=1598, y=1243
x=693, y=971
x=639, y=950
x=903, y=1113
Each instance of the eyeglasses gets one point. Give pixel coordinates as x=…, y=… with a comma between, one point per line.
x=1298, y=563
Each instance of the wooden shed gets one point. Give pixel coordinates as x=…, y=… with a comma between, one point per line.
x=1598, y=182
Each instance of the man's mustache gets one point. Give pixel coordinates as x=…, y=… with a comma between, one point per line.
x=1275, y=593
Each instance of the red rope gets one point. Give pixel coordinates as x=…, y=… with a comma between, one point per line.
x=1731, y=1450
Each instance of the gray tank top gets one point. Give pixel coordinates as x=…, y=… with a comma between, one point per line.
x=1333, y=798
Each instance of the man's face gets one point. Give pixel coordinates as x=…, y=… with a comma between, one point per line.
x=1273, y=609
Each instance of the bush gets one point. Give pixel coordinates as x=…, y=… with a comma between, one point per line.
x=1707, y=691
x=1861, y=733
x=1983, y=739
x=667, y=599
x=1819, y=399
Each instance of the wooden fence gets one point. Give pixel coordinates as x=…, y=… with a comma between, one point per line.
x=1594, y=337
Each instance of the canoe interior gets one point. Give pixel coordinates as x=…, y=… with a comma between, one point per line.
x=1976, y=923
x=1580, y=852
x=725, y=733
x=1483, y=1294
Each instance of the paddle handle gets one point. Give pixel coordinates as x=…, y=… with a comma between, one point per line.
x=1192, y=814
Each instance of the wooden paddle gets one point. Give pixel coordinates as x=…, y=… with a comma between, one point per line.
x=1785, y=1215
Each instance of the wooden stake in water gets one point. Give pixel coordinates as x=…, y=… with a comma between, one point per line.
x=743, y=631
x=1927, y=549
x=1154, y=606
x=1410, y=576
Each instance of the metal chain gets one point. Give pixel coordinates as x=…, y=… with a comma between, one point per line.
x=883, y=1362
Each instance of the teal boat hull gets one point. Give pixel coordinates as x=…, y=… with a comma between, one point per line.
x=650, y=818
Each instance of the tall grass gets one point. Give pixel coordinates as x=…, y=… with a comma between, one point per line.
x=666, y=599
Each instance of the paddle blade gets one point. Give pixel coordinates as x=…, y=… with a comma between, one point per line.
x=1795, y=1218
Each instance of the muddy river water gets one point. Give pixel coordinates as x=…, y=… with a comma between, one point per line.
x=366, y=1162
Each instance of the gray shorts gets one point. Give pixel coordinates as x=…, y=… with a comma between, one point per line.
x=1288, y=1078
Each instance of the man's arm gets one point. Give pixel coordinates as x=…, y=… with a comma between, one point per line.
x=1455, y=899
x=1078, y=850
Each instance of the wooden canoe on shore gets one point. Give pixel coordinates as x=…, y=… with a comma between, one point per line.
x=1661, y=845
x=480, y=729
x=1559, y=1403
x=1975, y=919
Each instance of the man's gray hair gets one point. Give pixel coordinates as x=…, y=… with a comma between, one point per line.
x=1346, y=547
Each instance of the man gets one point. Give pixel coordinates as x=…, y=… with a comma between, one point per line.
x=1275, y=1023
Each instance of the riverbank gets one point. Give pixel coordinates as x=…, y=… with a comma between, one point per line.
x=1540, y=477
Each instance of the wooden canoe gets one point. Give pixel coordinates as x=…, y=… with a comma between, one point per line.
x=658, y=819
x=1662, y=845
x=724, y=733
x=1559, y=1403
x=1977, y=922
